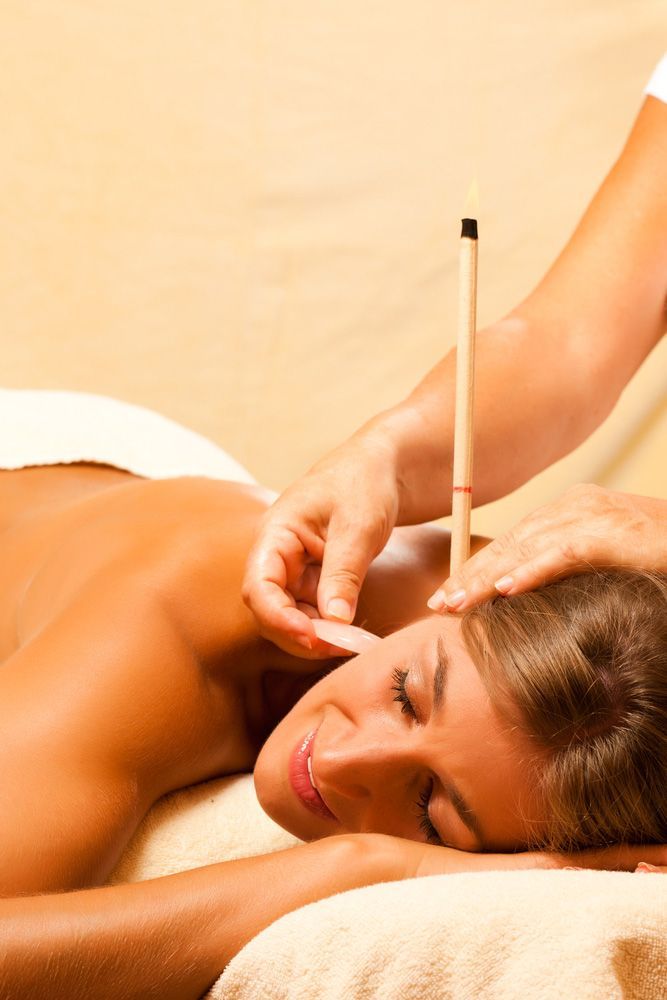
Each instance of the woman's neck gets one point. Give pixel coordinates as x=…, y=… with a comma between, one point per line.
x=279, y=690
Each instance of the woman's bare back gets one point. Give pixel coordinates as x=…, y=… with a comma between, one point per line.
x=32, y=504
x=130, y=665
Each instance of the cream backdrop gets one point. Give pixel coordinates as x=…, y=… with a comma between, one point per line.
x=244, y=213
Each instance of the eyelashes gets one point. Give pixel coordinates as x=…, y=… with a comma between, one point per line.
x=425, y=824
x=399, y=677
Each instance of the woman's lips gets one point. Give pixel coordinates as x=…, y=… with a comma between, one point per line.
x=299, y=771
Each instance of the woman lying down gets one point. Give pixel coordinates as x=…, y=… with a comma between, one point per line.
x=530, y=729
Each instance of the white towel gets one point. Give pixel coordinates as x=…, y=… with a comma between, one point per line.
x=216, y=821
x=531, y=935
x=45, y=427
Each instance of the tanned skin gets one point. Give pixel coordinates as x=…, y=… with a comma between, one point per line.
x=132, y=668
x=131, y=665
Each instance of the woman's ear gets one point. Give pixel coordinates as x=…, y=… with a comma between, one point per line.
x=400, y=580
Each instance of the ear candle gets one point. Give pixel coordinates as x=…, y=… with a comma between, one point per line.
x=465, y=383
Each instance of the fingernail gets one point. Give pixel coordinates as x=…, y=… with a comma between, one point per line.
x=338, y=608
x=303, y=640
x=437, y=601
x=644, y=866
x=453, y=600
x=504, y=584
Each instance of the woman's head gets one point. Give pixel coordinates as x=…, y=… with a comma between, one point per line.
x=581, y=667
x=482, y=722
x=381, y=744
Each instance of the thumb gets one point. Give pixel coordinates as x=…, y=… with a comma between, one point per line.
x=347, y=556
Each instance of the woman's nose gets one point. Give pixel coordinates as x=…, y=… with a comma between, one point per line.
x=362, y=763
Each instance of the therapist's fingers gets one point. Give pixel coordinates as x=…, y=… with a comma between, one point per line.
x=486, y=578
x=351, y=547
x=553, y=564
x=556, y=562
x=588, y=526
x=278, y=578
x=317, y=540
x=476, y=579
x=555, y=540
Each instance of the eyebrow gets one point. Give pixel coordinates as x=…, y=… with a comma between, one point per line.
x=463, y=810
x=440, y=675
x=465, y=813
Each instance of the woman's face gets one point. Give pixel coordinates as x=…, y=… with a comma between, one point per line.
x=437, y=764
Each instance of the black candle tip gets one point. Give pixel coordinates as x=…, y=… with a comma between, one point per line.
x=469, y=228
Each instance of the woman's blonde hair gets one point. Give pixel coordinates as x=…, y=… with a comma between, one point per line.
x=581, y=667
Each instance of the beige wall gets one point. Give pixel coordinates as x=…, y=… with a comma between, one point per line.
x=244, y=214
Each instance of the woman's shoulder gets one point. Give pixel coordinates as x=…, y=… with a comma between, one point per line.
x=194, y=558
x=175, y=540
x=176, y=522
x=401, y=579
x=106, y=700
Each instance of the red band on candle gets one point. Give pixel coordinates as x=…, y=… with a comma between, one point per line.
x=463, y=489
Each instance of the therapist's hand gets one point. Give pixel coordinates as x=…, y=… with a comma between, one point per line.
x=588, y=526
x=317, y=541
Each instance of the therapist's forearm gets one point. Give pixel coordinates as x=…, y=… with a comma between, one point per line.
x=549, y=373
x=527, y=415
x=535, y=401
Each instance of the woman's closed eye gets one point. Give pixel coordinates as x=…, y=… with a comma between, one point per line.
x=399, y=677
x=425, y=824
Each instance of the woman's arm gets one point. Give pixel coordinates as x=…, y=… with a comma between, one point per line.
x=176, y=934
x=546, y=376
x=172, y=935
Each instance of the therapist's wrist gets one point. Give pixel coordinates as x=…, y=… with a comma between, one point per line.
x=421, y=462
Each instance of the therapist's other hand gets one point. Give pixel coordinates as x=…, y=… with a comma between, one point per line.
x=316, y=542
x=587, y=527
